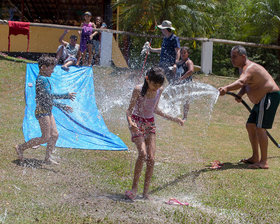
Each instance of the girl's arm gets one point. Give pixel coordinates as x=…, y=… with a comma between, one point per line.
x=190, y=69
x=168, y=117
x=80, y=32
x=95, y=32
x=135, y=95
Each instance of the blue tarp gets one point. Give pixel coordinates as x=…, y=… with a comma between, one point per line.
x=85, y=127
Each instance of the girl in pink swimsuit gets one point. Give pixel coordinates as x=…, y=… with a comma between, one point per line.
x=86, y=37
x=140, y=117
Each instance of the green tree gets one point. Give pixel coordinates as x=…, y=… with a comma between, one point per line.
x=263, y=25
x=263, y=22
x=190, y=17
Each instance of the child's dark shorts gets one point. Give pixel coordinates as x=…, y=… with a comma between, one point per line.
x=145, y=127
x=41, y=112
x=264, y=112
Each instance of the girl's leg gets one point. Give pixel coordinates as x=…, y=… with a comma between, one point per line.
x=84, y=58
x=141, y=147
x=52, y=140
x=186, y=110
x=90, y=56
x=151, y=149
x=45, y=125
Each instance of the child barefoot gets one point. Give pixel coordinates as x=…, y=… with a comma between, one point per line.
x=140, y=117
x=86, y=39
x=44, y=103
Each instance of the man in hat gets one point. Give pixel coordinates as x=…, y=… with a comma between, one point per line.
x=68, y=52
x=169, y=51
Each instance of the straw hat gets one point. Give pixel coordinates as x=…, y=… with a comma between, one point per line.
x=166, y=25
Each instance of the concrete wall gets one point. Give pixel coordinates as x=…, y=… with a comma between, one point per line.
x=42, y=39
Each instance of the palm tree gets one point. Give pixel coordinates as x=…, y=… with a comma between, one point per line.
x=263, y=21
x=190, y=17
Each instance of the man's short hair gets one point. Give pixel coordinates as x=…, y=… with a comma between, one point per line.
x=74, y=37
x=240, y=50
x=46, y=60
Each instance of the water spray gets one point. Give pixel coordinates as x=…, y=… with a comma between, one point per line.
x=145, y=50
x=249, y=109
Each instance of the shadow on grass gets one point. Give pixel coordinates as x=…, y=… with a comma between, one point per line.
x=195, y=174
x=33, y=163
x=119, y=197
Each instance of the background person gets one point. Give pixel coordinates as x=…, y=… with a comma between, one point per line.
x=169, y=51
x=85, y=43
x=184, y=69
x=262, y=91
x=68, y=52
x=96, y=38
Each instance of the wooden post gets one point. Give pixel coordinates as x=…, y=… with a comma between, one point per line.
x=22, y=10
x=118, y=14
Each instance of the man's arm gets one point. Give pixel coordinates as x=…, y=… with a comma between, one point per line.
x=177, y=50
x=239, y=83
x=155, y=50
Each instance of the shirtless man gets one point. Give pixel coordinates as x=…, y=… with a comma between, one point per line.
x=262, y=90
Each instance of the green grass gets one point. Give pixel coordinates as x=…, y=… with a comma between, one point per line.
x=88, y=186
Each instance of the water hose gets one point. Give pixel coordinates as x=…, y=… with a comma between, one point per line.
x=249, y=109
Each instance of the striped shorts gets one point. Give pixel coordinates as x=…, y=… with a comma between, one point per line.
x=264, y=112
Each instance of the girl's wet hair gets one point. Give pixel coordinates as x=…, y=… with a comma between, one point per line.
x=47, y=61
x=156, y=75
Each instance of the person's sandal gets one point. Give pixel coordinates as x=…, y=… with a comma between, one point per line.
x=129, y=195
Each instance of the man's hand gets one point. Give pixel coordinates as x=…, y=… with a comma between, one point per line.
x=222, y=90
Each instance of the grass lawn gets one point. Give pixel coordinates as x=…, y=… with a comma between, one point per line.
x=88, y=186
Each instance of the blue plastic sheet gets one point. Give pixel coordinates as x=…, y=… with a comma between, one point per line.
x=82, y=129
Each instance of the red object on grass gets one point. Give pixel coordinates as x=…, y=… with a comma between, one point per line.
x=16, y=28
x=216, y=165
